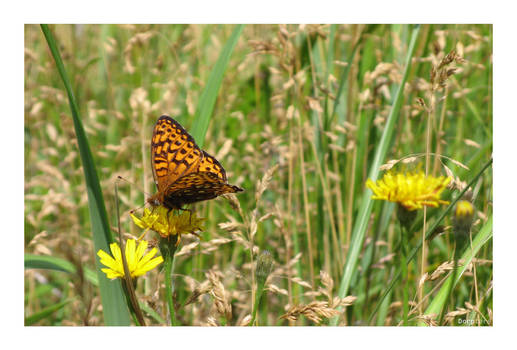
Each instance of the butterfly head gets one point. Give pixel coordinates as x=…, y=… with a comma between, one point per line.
x=154, y=201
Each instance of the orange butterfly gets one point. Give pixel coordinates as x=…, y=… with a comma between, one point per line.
x=183, y=173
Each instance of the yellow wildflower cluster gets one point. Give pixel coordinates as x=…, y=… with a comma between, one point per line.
x=411, y=190
x=168, y=223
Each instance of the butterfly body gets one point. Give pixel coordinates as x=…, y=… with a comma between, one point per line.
x=183, y=173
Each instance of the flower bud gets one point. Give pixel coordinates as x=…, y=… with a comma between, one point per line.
x=264, y=267
x=462, y=222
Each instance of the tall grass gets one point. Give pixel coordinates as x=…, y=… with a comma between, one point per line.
x=302, y=118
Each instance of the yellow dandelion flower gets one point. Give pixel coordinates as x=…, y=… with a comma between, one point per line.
x=138, y=262
x=410, y=190
x=167, y=223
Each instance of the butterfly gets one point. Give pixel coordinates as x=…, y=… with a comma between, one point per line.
x=183, y=172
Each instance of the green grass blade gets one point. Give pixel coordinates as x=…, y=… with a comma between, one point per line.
x=207, y=100
x=30, y=320
x=340, y=105
x=439, y=301
x=113, y=299
x=32, y=261
x=151, y=313
x=361, y=224
x=472, y=108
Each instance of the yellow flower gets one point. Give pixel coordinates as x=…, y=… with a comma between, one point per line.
x=138, y=262
x=411, y=190
x=161, y=220
x=464, y=209
x=463, y=217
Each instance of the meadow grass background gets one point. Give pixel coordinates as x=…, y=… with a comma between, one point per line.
x=297, y=122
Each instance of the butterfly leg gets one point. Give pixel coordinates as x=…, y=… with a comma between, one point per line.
x=178, y=241
x=142, y=235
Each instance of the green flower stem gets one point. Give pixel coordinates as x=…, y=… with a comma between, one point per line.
x=462, y=221
x=168, y=248
x=406, y=218
x=451, y=286
x=404, y=271
x=258, y=297
x=169, y=260
x=263, y=270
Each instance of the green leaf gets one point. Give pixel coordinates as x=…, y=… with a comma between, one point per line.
x=207, y=100
x=153, y=314
x=29, y=321
x=113, y=299
x=57, y=264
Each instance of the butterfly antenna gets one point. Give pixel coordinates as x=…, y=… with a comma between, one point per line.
x=140, y=207
x=120, y=178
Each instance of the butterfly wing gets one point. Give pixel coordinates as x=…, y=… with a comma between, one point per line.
x=211, y=165
x=174, y=153
x=197, y=187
